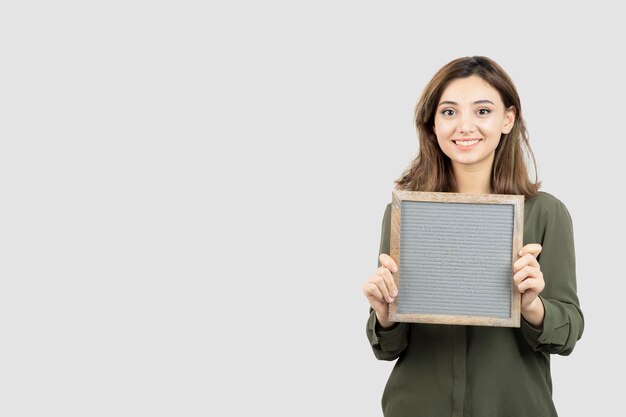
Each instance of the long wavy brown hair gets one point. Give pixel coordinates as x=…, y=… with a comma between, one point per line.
x=431, y=170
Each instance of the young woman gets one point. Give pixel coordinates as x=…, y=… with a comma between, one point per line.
x=473, y=140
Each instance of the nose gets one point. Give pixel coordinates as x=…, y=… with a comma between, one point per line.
x=466, y=123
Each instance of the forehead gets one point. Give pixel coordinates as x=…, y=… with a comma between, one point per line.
x=470, y=89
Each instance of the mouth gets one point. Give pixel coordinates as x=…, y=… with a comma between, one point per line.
x=466, y=143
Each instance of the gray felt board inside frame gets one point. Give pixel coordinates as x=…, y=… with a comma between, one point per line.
x=455, y=255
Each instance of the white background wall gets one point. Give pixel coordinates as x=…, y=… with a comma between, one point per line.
x=178, y=183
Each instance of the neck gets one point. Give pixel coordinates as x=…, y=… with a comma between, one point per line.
x=472, y=180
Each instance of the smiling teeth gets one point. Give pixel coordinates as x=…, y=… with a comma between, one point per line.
x=466, y=142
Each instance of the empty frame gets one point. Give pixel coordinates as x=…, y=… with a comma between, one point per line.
x=455, y=255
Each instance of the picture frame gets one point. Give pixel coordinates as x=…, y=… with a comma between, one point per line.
x=455, y=255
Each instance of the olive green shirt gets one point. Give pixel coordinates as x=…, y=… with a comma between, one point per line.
x=479, y=371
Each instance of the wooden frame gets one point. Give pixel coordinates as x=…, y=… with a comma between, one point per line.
x=474, y=284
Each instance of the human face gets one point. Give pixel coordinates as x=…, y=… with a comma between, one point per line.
x=470, y=108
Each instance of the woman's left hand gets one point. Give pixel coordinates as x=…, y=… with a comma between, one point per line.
x=528, y=277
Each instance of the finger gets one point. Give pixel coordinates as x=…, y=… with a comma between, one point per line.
x=522, y=274
x=532, y=248
x=372, y=291
x=388, y=262
x=525, y=285
x=389, y=281
x=390, y=266
x=381, y=283
x=374, y=298
x=527, y=259
x=532, y=283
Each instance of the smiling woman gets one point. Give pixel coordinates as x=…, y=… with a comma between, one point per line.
x=472, y=139
x=469, y=122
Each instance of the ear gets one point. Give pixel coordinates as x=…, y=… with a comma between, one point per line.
x=509, y=120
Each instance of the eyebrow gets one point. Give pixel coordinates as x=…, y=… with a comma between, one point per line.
x=475, y=102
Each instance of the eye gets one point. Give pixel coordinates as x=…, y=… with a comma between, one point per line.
x=484, y=112
x=447, y=112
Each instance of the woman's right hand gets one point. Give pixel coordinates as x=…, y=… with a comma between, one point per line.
x=380, y=289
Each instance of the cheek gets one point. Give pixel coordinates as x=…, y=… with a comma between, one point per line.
x=443, y=129
x=492, y=132
x=491, y=128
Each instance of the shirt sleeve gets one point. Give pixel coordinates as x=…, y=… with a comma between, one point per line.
x=563, y=321
x=386, y=344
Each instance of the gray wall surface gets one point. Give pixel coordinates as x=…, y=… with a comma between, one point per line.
x=192, y=193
